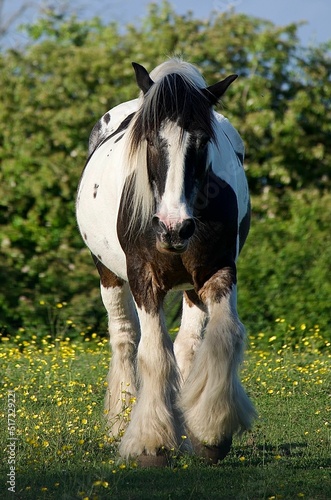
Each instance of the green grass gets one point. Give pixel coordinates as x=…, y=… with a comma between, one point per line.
x=62, y=451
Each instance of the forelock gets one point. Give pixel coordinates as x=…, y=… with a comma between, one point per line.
x=174, y=97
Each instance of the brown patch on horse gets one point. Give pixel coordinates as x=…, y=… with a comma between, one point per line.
x=152, y=274
x=192, y=299
x=219, y=285
x=108, y=278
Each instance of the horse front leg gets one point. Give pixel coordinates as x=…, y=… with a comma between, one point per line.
x=213, y=400
x=156, y=422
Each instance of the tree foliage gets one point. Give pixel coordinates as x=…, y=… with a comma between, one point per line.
x=72, y=71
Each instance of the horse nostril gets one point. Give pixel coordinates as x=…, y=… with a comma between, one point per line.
x=187, y=229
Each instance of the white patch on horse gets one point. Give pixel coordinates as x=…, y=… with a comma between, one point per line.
x=173, y=206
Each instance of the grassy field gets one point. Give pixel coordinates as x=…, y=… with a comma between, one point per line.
x=57, y=443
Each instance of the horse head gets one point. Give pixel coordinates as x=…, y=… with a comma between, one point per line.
x=176, y=121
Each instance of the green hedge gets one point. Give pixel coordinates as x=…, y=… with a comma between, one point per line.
x=70, y=72
x=285, y=267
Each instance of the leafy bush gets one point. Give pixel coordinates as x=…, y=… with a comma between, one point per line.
x=285, y=267
x=71, y=72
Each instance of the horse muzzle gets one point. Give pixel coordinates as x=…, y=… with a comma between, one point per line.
x=173, y=239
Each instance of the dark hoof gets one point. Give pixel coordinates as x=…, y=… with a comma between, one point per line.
x=161, y=460
x=212, y=453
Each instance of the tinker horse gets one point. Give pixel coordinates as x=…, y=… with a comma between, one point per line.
x=163, y=204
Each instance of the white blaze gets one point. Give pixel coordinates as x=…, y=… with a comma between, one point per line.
x=173, y=206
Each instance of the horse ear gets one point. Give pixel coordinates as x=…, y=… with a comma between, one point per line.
x=215, y=92
x=144, y=81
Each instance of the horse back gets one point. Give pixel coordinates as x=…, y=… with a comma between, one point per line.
x=227, y=163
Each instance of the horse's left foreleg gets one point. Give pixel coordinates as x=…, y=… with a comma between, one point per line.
x=214, y=402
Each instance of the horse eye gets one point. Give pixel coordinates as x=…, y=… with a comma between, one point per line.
x=203, y=141
x=200, y=141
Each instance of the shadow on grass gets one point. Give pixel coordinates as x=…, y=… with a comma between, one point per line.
x=256, y=475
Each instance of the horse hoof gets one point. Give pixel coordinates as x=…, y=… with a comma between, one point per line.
x=161, y=460
x=212, y=453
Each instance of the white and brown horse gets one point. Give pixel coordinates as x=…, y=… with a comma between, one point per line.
x=163, y=204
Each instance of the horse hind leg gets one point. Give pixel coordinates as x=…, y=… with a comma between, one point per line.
x=124, y=335
x=213, y=400
x=188, y=339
